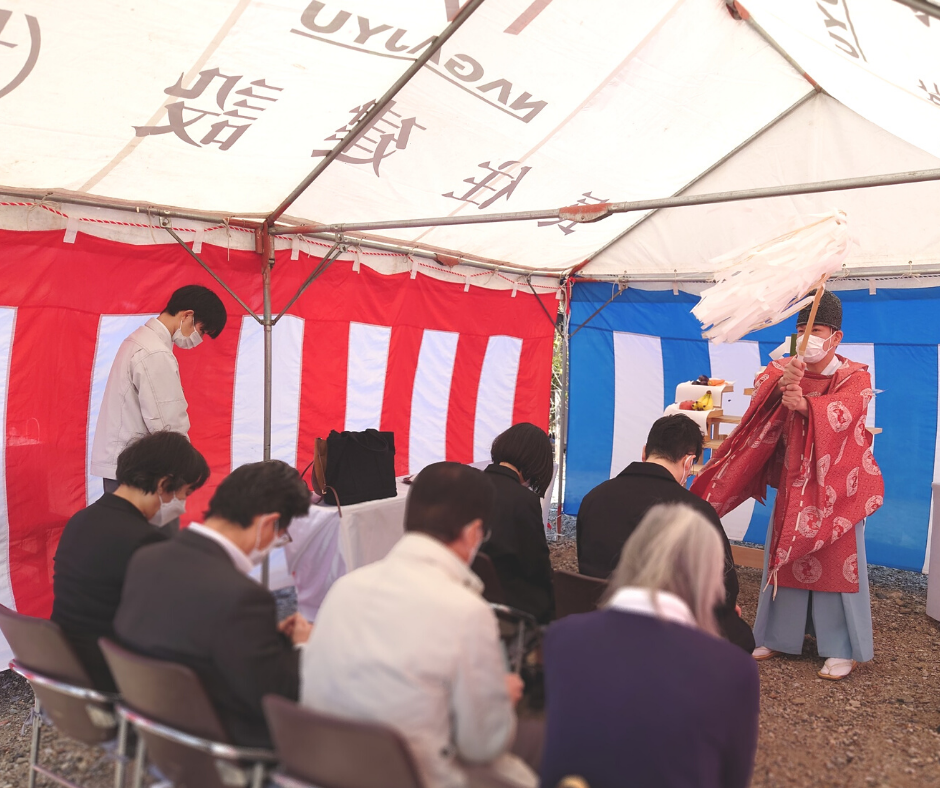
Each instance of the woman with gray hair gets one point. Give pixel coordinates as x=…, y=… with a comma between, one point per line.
x=644, y=691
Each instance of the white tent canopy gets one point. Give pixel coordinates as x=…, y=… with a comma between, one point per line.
x=225, y=107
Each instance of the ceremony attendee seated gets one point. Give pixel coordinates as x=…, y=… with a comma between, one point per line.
x=155, y=475
x=189, y=600
x=611, y=511
x=521, y=472
x=408, y=642
x=643, y=692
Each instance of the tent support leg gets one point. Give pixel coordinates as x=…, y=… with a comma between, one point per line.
x=563, y=427
x=213, y=274
x=328, y=259
x=267, y=263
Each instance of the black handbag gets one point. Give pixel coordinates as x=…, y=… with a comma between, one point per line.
x=354, y=467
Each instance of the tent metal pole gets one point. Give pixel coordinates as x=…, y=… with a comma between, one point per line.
x=742, y=13
x=922, y=6
x=325, y=262
x=377, y=109
x=213, y=274
x=267, y=263
x=429, y=254
x=734, y=151
x=156, y=211
x=603, y=210
x=563, y=428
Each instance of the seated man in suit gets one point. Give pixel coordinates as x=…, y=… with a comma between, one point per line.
x=610, y=512
x=408, y=642
x=189, y=600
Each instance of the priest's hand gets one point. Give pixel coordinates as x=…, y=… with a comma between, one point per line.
x=792, y=373
x=794, y=400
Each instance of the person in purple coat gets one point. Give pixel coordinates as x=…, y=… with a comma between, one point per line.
x=643, y=691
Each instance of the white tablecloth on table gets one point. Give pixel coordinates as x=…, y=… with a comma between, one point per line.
x=324, y=546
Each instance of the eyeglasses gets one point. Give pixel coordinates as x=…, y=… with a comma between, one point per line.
x=281, y=540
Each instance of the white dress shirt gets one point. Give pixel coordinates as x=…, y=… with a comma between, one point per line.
x=658, y=604
x=241, y=561
x=409, y=642
x=143, y=395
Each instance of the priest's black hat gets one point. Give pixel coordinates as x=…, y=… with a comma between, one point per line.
x=828, y=314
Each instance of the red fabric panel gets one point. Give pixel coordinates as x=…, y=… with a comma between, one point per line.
x=403, y=353
x=47, y=407
x=61, y=290
x=462, y=408
x=534, y=382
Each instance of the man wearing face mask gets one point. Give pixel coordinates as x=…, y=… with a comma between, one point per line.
x=611, y=512
x=155, y=475
x=190, y=600
x=805, y=434
x=409, y=642
x=144, y=393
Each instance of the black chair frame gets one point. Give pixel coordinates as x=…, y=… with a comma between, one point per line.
x=229, y=757
x=522, y=620
x=81, y=693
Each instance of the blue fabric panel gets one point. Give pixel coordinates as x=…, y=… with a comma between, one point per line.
x=901, y=324
x=896, y=534
x=590, y=411
x=757, y=530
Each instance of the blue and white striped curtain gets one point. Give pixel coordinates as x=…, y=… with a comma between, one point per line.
x=627, y=361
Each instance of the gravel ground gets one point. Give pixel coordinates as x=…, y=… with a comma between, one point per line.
x=880, y=727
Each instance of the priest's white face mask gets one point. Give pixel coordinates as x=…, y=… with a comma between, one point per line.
x=817, y=348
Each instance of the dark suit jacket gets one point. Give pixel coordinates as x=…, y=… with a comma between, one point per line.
x=611, y=512
x=632, y=700
x=517, y=545
x=185, y=601
x=90, y=564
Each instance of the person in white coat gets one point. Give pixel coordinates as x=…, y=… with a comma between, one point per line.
x=408, y=642
x=144, y=393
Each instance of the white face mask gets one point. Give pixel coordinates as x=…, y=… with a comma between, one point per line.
x=186, y=343
x=816, y=349
x=257, y=555
x=169, y=511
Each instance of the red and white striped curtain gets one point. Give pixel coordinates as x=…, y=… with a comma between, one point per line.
x=444, y=367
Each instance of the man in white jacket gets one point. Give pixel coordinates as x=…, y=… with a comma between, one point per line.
x=144, y=393
x=408, y=642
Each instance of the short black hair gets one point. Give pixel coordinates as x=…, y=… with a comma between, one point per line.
x=260, y=488
x=207, y=307
x=161, y=455
x=674, y=437
x=529, y=449
x=447, y=496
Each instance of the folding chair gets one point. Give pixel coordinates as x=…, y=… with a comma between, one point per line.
x=63, y=693
x=178, y=727
x=328, y=752
x=576, y=593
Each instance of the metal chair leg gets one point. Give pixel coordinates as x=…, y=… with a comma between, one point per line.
x=257, y=775
x=120, y=765
x=139, y=761
x=34, y=744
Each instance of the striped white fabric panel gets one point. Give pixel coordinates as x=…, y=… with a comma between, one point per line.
x=112, y=331
x=936, y=474
x=248, y=406
x=496, y=395
x=7, y=323
x=430, y=399
x=365, y=377
x=638, y=395
x=737, y=361
x=863, y=353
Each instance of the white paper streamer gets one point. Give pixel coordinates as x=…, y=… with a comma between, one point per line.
x=759, y=287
